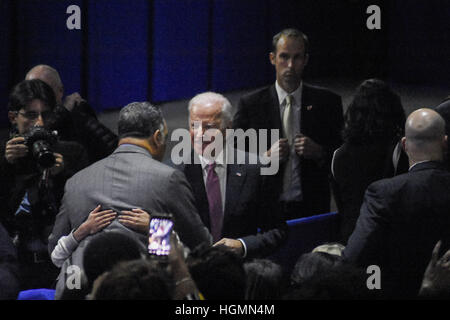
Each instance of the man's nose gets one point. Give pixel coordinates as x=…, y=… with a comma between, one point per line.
x=39, y=121
x=290, y=63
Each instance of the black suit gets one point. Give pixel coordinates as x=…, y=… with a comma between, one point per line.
x=401, y=220
x=321, y=120
x=249, y=206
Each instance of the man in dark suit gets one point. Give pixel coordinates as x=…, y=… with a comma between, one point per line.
x=310, y=119
x=402, y=218
x=133, y=177
x=232, y=197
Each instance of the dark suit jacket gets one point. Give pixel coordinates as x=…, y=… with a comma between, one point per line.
x=321, y=120
x=401, y=220
x=249, y=206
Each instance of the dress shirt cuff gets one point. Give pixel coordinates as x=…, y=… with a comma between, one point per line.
x=244, y=246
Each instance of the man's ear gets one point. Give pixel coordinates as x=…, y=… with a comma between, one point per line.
x=272, y=57
x=445, y=142
x=306, y=59
x=403, y=142
x=158, y=138
x=12, y=117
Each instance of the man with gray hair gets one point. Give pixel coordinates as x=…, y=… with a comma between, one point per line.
x=133, y=183
x=232, y=197
x=402, y=218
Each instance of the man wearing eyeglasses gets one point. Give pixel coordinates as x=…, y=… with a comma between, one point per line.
x=31, y=190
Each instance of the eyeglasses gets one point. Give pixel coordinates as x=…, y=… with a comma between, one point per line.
x=33, y=115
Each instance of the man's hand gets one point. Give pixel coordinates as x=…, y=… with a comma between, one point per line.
x=96, y=221
x=58, y=167
x=71, y=100
x=436, y=280
x=15, y=149
x=279, y=149
x=233, y=244
x=308, y=148
x=136, y=219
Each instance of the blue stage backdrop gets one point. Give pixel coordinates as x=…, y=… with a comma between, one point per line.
x=161, y=50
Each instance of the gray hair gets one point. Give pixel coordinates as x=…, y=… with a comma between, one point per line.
x=140, y=120
x=226, y=114
x=290, y=33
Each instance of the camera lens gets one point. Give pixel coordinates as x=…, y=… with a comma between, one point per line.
x=42, y=153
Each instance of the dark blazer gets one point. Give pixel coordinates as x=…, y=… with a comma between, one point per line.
x=354, y=168
x=249, y=206
x=321, y=120
x=401, y=220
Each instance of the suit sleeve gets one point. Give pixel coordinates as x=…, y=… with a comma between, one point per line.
x=334, y=125
x=272, y=228
x=363, y=247
x=188, y=225
x=62, y=225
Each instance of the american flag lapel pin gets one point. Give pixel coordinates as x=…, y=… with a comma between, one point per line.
x=238, y=174
x=309, y=108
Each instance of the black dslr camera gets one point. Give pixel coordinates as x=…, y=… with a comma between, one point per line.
x=40, y=142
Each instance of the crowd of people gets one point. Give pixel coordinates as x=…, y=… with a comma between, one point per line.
x=76, y=196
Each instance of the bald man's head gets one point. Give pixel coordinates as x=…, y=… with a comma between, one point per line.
x=425, y=137
x=50, y=76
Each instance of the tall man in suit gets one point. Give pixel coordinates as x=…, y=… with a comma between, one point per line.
x=309, y=118
x=133, y=177
x=402, y=218
x=232, y=197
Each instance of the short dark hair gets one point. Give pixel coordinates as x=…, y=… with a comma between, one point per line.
x=105, y=250
x=135, y=280
x=375, y=114
x=264, y=280
x=28, y=90
x=290, y=33
x=218, y=272
x=139, y=119
x=312, y=263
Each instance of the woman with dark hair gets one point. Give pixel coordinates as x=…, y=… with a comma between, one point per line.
x=374, y=124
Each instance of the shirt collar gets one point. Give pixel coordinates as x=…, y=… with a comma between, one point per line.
x=418, y=163
x=281, y=93
x=219, y=160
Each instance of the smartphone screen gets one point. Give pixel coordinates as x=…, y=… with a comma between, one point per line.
x=159, y=236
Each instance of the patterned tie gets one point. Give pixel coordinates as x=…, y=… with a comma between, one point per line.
x=287, y=130
x=215, y=202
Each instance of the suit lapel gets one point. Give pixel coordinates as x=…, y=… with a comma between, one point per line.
x=274, y=108
x=304, y=112
x=194, y=175
x=236, y=176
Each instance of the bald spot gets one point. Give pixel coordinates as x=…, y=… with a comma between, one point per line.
x=425, y=125
x=50, y=76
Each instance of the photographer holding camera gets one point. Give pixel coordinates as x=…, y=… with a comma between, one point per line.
x=33, y=170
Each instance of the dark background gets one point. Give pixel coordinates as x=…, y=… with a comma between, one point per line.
x=165, y=50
